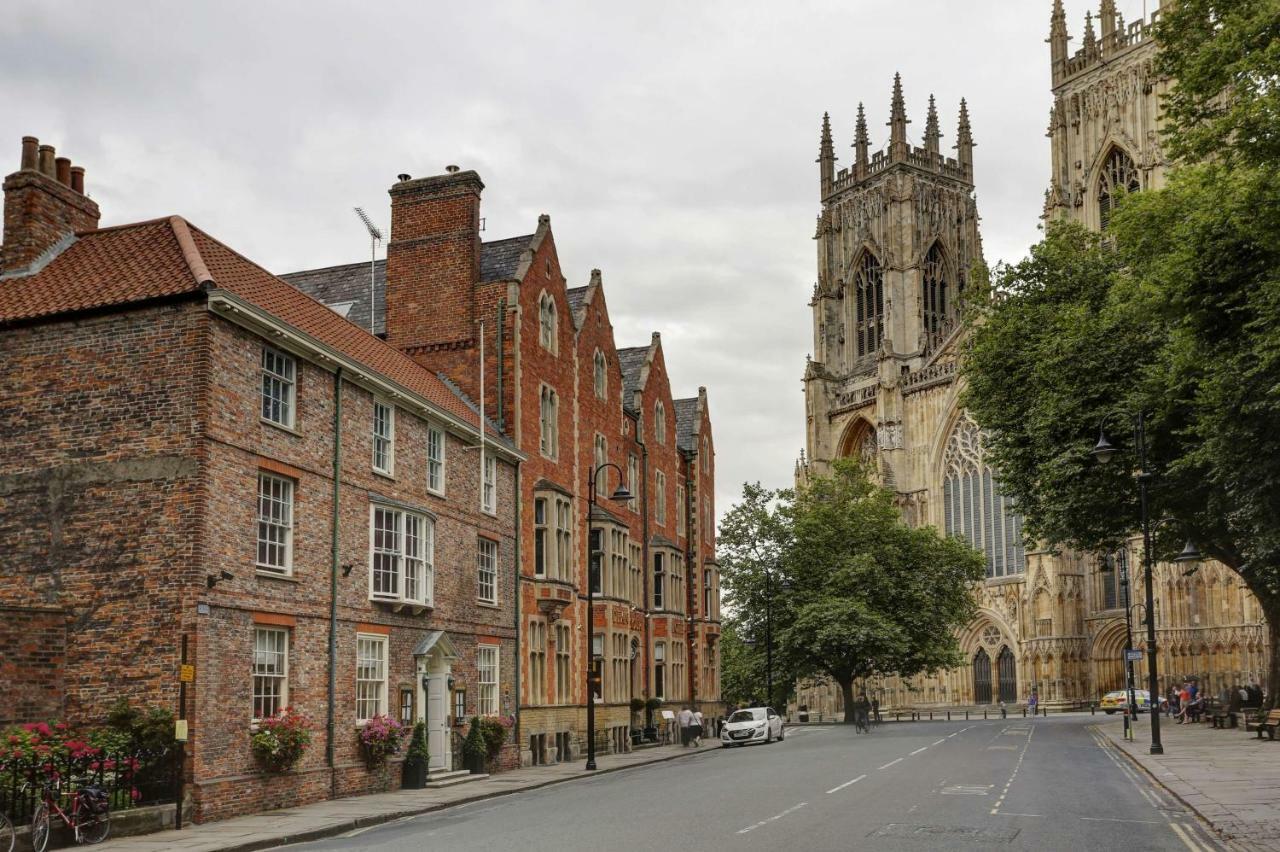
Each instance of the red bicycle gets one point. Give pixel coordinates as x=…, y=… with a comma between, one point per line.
x=89, y=817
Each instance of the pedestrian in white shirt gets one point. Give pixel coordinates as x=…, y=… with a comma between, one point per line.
x=685, y=719
x=697, y=728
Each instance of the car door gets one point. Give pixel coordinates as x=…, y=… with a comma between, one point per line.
x=775, y=723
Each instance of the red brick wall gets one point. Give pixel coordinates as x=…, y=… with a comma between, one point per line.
x=100, y=430
x=39, y=211
x=32, y=661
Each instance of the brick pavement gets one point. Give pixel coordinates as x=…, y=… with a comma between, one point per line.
x=336, y=816
x=1228, y=777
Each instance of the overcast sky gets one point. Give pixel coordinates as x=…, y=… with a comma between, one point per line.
x=672, y=143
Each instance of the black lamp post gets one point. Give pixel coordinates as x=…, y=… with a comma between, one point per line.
x=1104, y=451
x=595, y=574
x=1130, y=717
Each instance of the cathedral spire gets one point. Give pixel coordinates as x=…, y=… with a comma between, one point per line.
x=964, y=140
x=1090, y=37
x=1058, y=40
x=826, y=157
x=898, y=122
x=861, y=143
x=931, y=132
x=1107, y=20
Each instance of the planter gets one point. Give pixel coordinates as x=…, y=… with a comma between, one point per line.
x=475, y=764
x=637, y=736
x=413, y=775
x=651, y=734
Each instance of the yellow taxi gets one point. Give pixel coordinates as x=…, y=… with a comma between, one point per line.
x=1115, y=702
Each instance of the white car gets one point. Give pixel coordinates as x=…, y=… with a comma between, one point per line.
x=752, y=725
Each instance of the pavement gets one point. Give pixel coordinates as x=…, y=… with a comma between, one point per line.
x=1056, y=783
x=1228, y=777
x=360, y=813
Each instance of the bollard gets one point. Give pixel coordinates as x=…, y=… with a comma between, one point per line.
x=930, y=715
x=966, y=715
x=948, y=715
x=896, y=716
x=1024, y=712
x=984, y=715
x=1092, y=708
x=1044, y=711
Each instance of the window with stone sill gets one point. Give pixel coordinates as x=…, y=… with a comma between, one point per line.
x=564, y=650
x=402, y=546
x=659, y=670
x=660, y=498
x=270, y=671
x=660, y=423
x=487, y=571
x=489, y=497
x=371, y=676
x=680, y=518
x=549, y=423
x=275, y=524
x=435, y=459
x=487, y=680
x=601, y=375
x=547, y=322
x=278, y=387
x=384, y=426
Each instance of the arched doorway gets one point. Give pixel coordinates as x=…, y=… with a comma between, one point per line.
x=1008, y=670
x=982, y=677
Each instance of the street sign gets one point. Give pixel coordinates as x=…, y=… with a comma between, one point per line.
x=187, y=673
x=1133, y=656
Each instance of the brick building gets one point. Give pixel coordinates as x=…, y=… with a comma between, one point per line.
x=193, y=452
x=556, y=384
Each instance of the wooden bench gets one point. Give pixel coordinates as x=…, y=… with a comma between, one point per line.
x=1267, y=724
x=1223, y=718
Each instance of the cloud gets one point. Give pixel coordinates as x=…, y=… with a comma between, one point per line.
x=673, y=143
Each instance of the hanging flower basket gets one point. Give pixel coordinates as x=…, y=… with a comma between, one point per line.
x=282, y=740
x=381, y=737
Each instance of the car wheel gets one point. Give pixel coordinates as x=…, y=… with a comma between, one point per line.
x=1109, y=712
x=782, y=734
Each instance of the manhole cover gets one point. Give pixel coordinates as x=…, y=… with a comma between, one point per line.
x=929, y=833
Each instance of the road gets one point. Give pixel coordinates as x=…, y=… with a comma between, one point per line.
x=1044, y=784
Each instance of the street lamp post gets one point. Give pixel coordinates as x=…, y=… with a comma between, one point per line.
x=768, y=636
x=594, y=575
x=1104, y=451
x=1131, y=717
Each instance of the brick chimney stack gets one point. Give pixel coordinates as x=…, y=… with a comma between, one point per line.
x=433, y=261
x=44, y=202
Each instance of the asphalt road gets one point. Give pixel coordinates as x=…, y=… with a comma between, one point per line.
x=1043, y=784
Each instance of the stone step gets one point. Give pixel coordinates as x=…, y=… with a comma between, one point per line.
x=452, y=779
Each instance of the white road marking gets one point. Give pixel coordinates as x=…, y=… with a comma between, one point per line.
x=940, y=742
x=890, y=763
x=917, y=751
x=765, y=822
x=845, y=784
x=1016, y=767
x=1006, y=813
x=1114, y=819
x=967, y=790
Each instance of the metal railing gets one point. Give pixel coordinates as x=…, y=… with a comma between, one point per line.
x=132, y=778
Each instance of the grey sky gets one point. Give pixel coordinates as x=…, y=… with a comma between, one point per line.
x=673, y=144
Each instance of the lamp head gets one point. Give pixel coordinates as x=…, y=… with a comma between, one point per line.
x=1103, y=451
x=1189, y=558
x=622, y=495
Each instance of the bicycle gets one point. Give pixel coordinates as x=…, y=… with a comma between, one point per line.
x=8, y=839
x=90, y=817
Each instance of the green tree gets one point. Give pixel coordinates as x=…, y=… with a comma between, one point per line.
x=1225, y=57
x=864, y=593
x=1176, y=316
x=742, y=666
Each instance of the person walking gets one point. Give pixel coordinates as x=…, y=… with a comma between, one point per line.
x=685, y=720
x=1033, y=702
x=697, y=728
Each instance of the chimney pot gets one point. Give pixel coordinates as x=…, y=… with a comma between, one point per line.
x=30, y=144
x=453, y=170
x=77, y=179
x=62, y=166
x=46, y=166
x=402, y=177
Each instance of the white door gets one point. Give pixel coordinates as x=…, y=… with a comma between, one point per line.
x=438, y=722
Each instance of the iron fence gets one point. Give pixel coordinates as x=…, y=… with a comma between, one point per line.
x=132, y=778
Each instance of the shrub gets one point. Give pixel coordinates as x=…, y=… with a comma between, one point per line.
x=637, y=704
x=653, y=705
x=494, y=730
x=381, y=736
x=474, y=746
x=418, y=752
x=282, y=740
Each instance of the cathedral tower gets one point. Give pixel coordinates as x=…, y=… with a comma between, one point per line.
x=897, y=239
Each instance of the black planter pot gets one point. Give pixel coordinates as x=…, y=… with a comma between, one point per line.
x=475, y=764
x=637, y=737
x=651, y=734
x=413, y=775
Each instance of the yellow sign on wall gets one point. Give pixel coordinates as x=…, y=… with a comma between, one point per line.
x=187, y=674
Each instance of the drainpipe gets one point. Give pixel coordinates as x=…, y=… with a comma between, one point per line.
x=691, y=576
x=644, y=549
x=516, y=593
x=333, y=583
x=502, y=423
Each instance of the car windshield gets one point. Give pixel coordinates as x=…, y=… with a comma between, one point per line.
x=747, y=716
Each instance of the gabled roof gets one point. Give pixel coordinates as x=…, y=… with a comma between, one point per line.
x=632, y=361
x=577, y=298
x=687, y=423
x=125, y=265
x=348, y=284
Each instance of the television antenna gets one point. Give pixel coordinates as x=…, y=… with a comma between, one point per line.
x=375, y=237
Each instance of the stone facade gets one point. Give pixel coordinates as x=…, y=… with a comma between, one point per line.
x=897, y=236
x=555, y=382
x=140, y=472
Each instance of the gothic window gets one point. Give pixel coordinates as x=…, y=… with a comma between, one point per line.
x=1112, y=575
x=547, y=322
x=1119, y=175
x=868, y=294
x=934, y=297
x=973, y=506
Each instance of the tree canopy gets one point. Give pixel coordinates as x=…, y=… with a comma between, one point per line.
x=852, y=590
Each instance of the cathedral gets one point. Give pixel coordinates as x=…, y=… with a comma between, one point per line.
x=897, y=239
